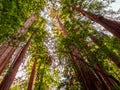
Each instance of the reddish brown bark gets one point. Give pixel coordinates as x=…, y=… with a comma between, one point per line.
x=9, y=77
x=22, y=30
x=32, y=76
x=27, y=24
x=111, y=26
x=6, y=59
x=5, y=49
x=2, y=50
x=19, y=50
x=84, y=71
x=64, y=32
x=107, y=80
x=4, y=55
x=88, y=75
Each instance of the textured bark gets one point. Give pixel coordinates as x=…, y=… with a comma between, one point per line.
x=4, y=55
x=32, y=76
x=111, y=26
x=84, y=71
x=87, y=74
x=5, y=48
x=2, y=50
x=109, y=53
x=9, y=77
x=19, y=50
x=107, y=80
x=6, y=59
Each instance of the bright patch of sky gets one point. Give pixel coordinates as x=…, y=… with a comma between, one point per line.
x=115, y=5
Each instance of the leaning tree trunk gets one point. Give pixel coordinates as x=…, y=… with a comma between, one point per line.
x=88, y=74
x=84, y=71
x=3, y=48
x=108, y=81
x=7, y=51
x=30, y=85
x=7, y=58
x=111, y=26
x=9, y=77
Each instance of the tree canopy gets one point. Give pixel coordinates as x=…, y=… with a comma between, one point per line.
x=59, y=45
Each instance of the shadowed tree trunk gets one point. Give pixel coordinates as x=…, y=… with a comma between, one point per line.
x=2, y=49
x=3, y=56
x=7, y=58
x=84, y=71
x=9, y=77
x=32, y=76
x=111, y=26
x=7, y=51
x=19, y=50
x=108, y=80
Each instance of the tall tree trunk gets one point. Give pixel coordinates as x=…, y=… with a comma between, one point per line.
x=18, y=51
x=84, y=71
x=30, y=85
x=109, y=53
x=2, y=49
x=64, y=32
x=111, y=26
x=9, y=77
x=5, y=49
x=107, y=80
x=4, y=55
x=6, y=59
x=87, y=74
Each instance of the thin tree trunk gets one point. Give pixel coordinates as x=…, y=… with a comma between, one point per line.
x=64, y=32
x=111, y=26
x=30, y=85
x=9, y=77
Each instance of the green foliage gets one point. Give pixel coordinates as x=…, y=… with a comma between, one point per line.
x=13, y=14
x=79, y=31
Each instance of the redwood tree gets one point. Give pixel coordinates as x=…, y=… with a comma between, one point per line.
x=9, y=77
x=110, y=25
x=32, y=76
x=86, y=73
x=7, y=50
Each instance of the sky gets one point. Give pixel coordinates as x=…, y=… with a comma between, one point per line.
x=116, y=5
